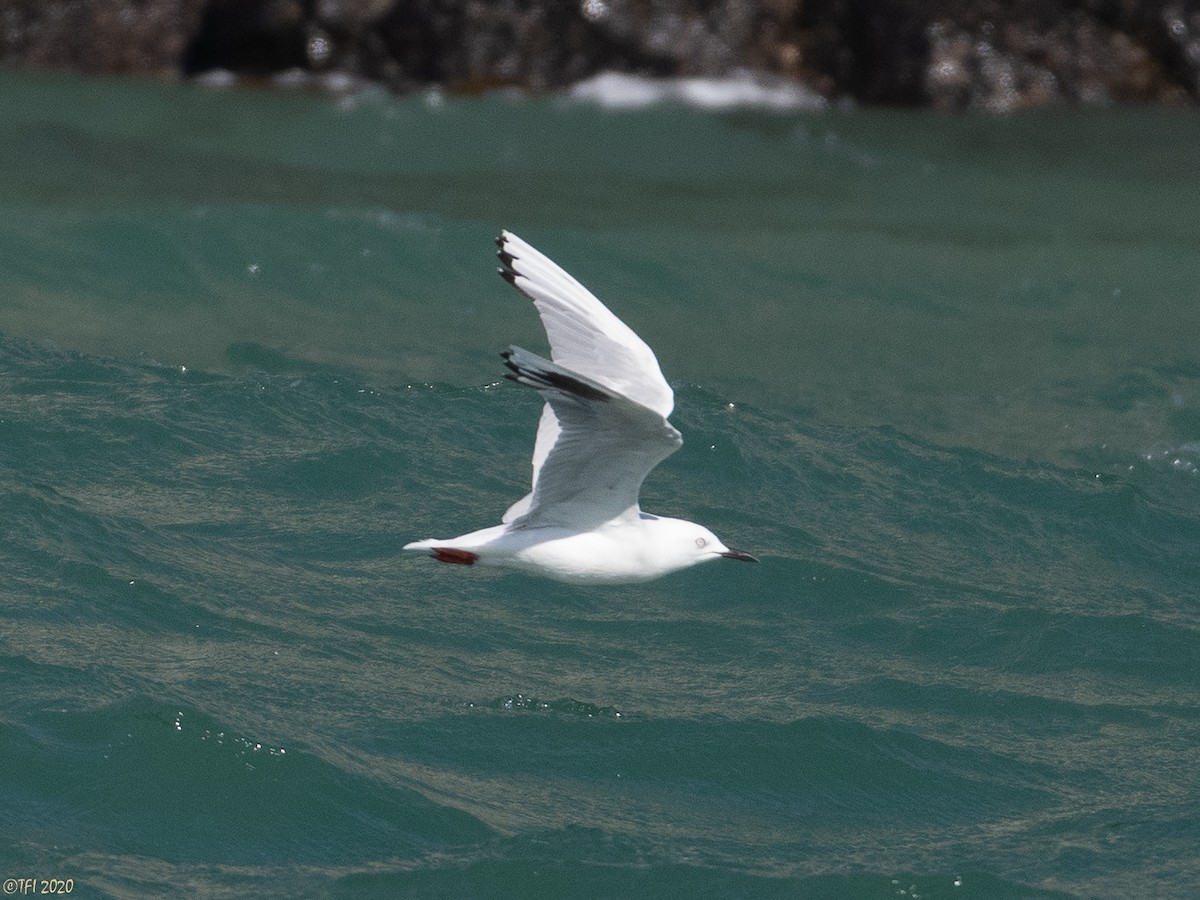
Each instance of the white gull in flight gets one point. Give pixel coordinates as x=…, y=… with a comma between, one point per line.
x=603, y=428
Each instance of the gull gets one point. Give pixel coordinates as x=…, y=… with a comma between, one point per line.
x=603, y=428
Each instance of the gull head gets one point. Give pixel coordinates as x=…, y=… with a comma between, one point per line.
x=678, y=544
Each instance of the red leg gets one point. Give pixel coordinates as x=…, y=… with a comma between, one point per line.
x=453, y=555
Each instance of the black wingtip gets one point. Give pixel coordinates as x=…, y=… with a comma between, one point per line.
x=542, y=374
x=507, y=272
x=507, y=356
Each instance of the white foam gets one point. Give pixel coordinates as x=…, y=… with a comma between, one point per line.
x=740, y=89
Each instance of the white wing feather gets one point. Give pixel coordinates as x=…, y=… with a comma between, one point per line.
x=586, y=338
x=547, y=434
x=605, y=446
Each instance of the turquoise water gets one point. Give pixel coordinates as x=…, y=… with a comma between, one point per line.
x=940, y=374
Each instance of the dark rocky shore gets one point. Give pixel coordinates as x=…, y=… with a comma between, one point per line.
x=946, y=54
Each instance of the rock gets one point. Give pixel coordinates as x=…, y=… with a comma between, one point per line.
x=252, y=38
x=948, y=54
x=97, y=36
x=1038, y=55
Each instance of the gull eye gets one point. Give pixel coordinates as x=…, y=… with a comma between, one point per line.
x=701, y=542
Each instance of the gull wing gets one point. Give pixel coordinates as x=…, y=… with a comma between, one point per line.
x=584, y=336
x=605, y=447
x=547, y=433
x=586, y=339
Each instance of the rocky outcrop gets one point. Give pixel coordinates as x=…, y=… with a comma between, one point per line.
x=950, y=54
x=97, y=36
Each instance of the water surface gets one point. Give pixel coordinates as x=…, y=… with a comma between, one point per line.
x=939, y=373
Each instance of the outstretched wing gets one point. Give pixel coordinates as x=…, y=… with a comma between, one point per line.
x=584, y=336
x=585, y=339
x=605, y=446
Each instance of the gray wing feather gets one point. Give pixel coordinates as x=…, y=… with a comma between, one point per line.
x=606, y=446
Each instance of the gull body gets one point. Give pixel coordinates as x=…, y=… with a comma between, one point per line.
x=603, y=428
